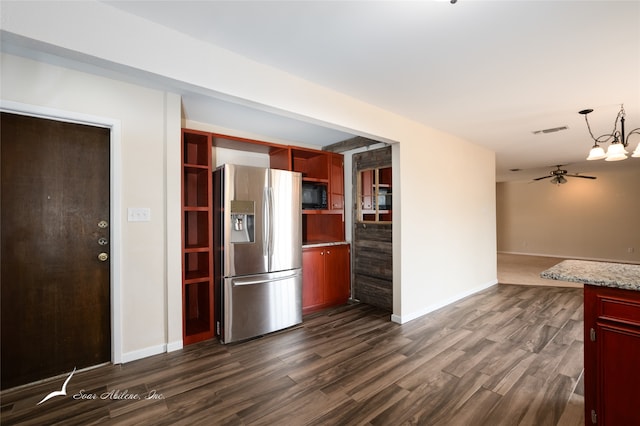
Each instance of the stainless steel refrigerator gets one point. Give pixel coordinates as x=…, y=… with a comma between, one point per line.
x=258, y=251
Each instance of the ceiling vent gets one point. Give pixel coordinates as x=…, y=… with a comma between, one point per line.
x=552, y=130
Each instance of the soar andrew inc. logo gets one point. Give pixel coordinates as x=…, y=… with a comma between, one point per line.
x=61, y=392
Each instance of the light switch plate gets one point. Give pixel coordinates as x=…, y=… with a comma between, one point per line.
x=139, y=214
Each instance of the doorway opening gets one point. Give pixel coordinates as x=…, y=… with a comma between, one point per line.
x=372, y=228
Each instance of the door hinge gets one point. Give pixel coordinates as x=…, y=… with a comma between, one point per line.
x=594, y=417
x=592, y=335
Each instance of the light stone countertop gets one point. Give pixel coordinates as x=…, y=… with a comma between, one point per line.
x=603, y=274
x=332, y=243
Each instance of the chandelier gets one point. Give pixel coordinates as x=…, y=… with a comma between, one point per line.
x=616, y=150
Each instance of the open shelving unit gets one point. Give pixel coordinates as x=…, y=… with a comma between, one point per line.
x=324, y=168
x=197, y=238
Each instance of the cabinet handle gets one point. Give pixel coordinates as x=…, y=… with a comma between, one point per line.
x=328, y=252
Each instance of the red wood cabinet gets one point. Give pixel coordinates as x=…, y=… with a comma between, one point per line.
x=326, y=276
x=337, y=274
x=611, y=356
x=336, y=198
x=313, y=278
x=326, y=168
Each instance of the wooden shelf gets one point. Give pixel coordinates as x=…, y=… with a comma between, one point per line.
x=198, y=311
x=196, y=265
x=197, y=239
x=323, y=227
x=316, y=180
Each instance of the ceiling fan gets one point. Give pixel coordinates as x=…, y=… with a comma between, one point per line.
x=558, y=176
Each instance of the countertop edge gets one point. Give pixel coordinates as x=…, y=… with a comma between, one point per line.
x=331, y=243
x=604, y=274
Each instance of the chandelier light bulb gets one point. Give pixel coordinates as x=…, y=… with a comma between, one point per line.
x=636, y=153
x=616, y=152
x=596, y=153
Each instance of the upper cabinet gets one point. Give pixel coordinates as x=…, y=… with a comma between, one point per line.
x=322, y=194
x=374, y=195
x=313, y=164
x=336, y=199
x=322, y=181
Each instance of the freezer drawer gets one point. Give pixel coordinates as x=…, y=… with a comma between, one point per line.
x=259, y=304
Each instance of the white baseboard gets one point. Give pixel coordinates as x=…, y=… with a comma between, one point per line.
x=143, y=353
x=174, y=346
x=594, y=259
x=401, y=319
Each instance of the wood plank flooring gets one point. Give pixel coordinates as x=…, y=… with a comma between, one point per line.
x=510, y=355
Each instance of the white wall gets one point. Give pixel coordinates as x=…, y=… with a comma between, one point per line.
x=447, y=221
x=444, y=210
x=585, y=219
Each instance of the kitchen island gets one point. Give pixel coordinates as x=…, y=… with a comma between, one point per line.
x=611, y=338
x=603, y=274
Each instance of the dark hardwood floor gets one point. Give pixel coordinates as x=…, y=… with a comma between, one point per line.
x=510, y=355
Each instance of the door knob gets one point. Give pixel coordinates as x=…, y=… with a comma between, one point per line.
x=103, y=257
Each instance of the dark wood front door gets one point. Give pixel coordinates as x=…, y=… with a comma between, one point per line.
x=55, y=287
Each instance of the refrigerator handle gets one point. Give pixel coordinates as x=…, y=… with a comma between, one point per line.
x=248, y=281
x=266, y=222
x=271, y=218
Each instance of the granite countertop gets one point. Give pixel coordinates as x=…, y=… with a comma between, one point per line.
x=604, y=274
x=330, y=243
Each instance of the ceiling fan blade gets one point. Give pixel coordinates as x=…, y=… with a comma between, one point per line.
x=543, y=177
x=583, y=177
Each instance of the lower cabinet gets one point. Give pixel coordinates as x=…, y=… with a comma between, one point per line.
x=611, y=356
x=326, y=276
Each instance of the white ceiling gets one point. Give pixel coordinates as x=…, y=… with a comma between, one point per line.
x=491, y=72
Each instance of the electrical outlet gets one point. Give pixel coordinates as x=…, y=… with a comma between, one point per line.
x=139, y=214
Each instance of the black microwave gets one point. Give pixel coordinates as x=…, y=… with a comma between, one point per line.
x=314, y=196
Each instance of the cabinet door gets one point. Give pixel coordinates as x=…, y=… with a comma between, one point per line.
x=337, y=274
x=313, y=277
x=618, y=375
x=337, y=181
x=611, y=353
